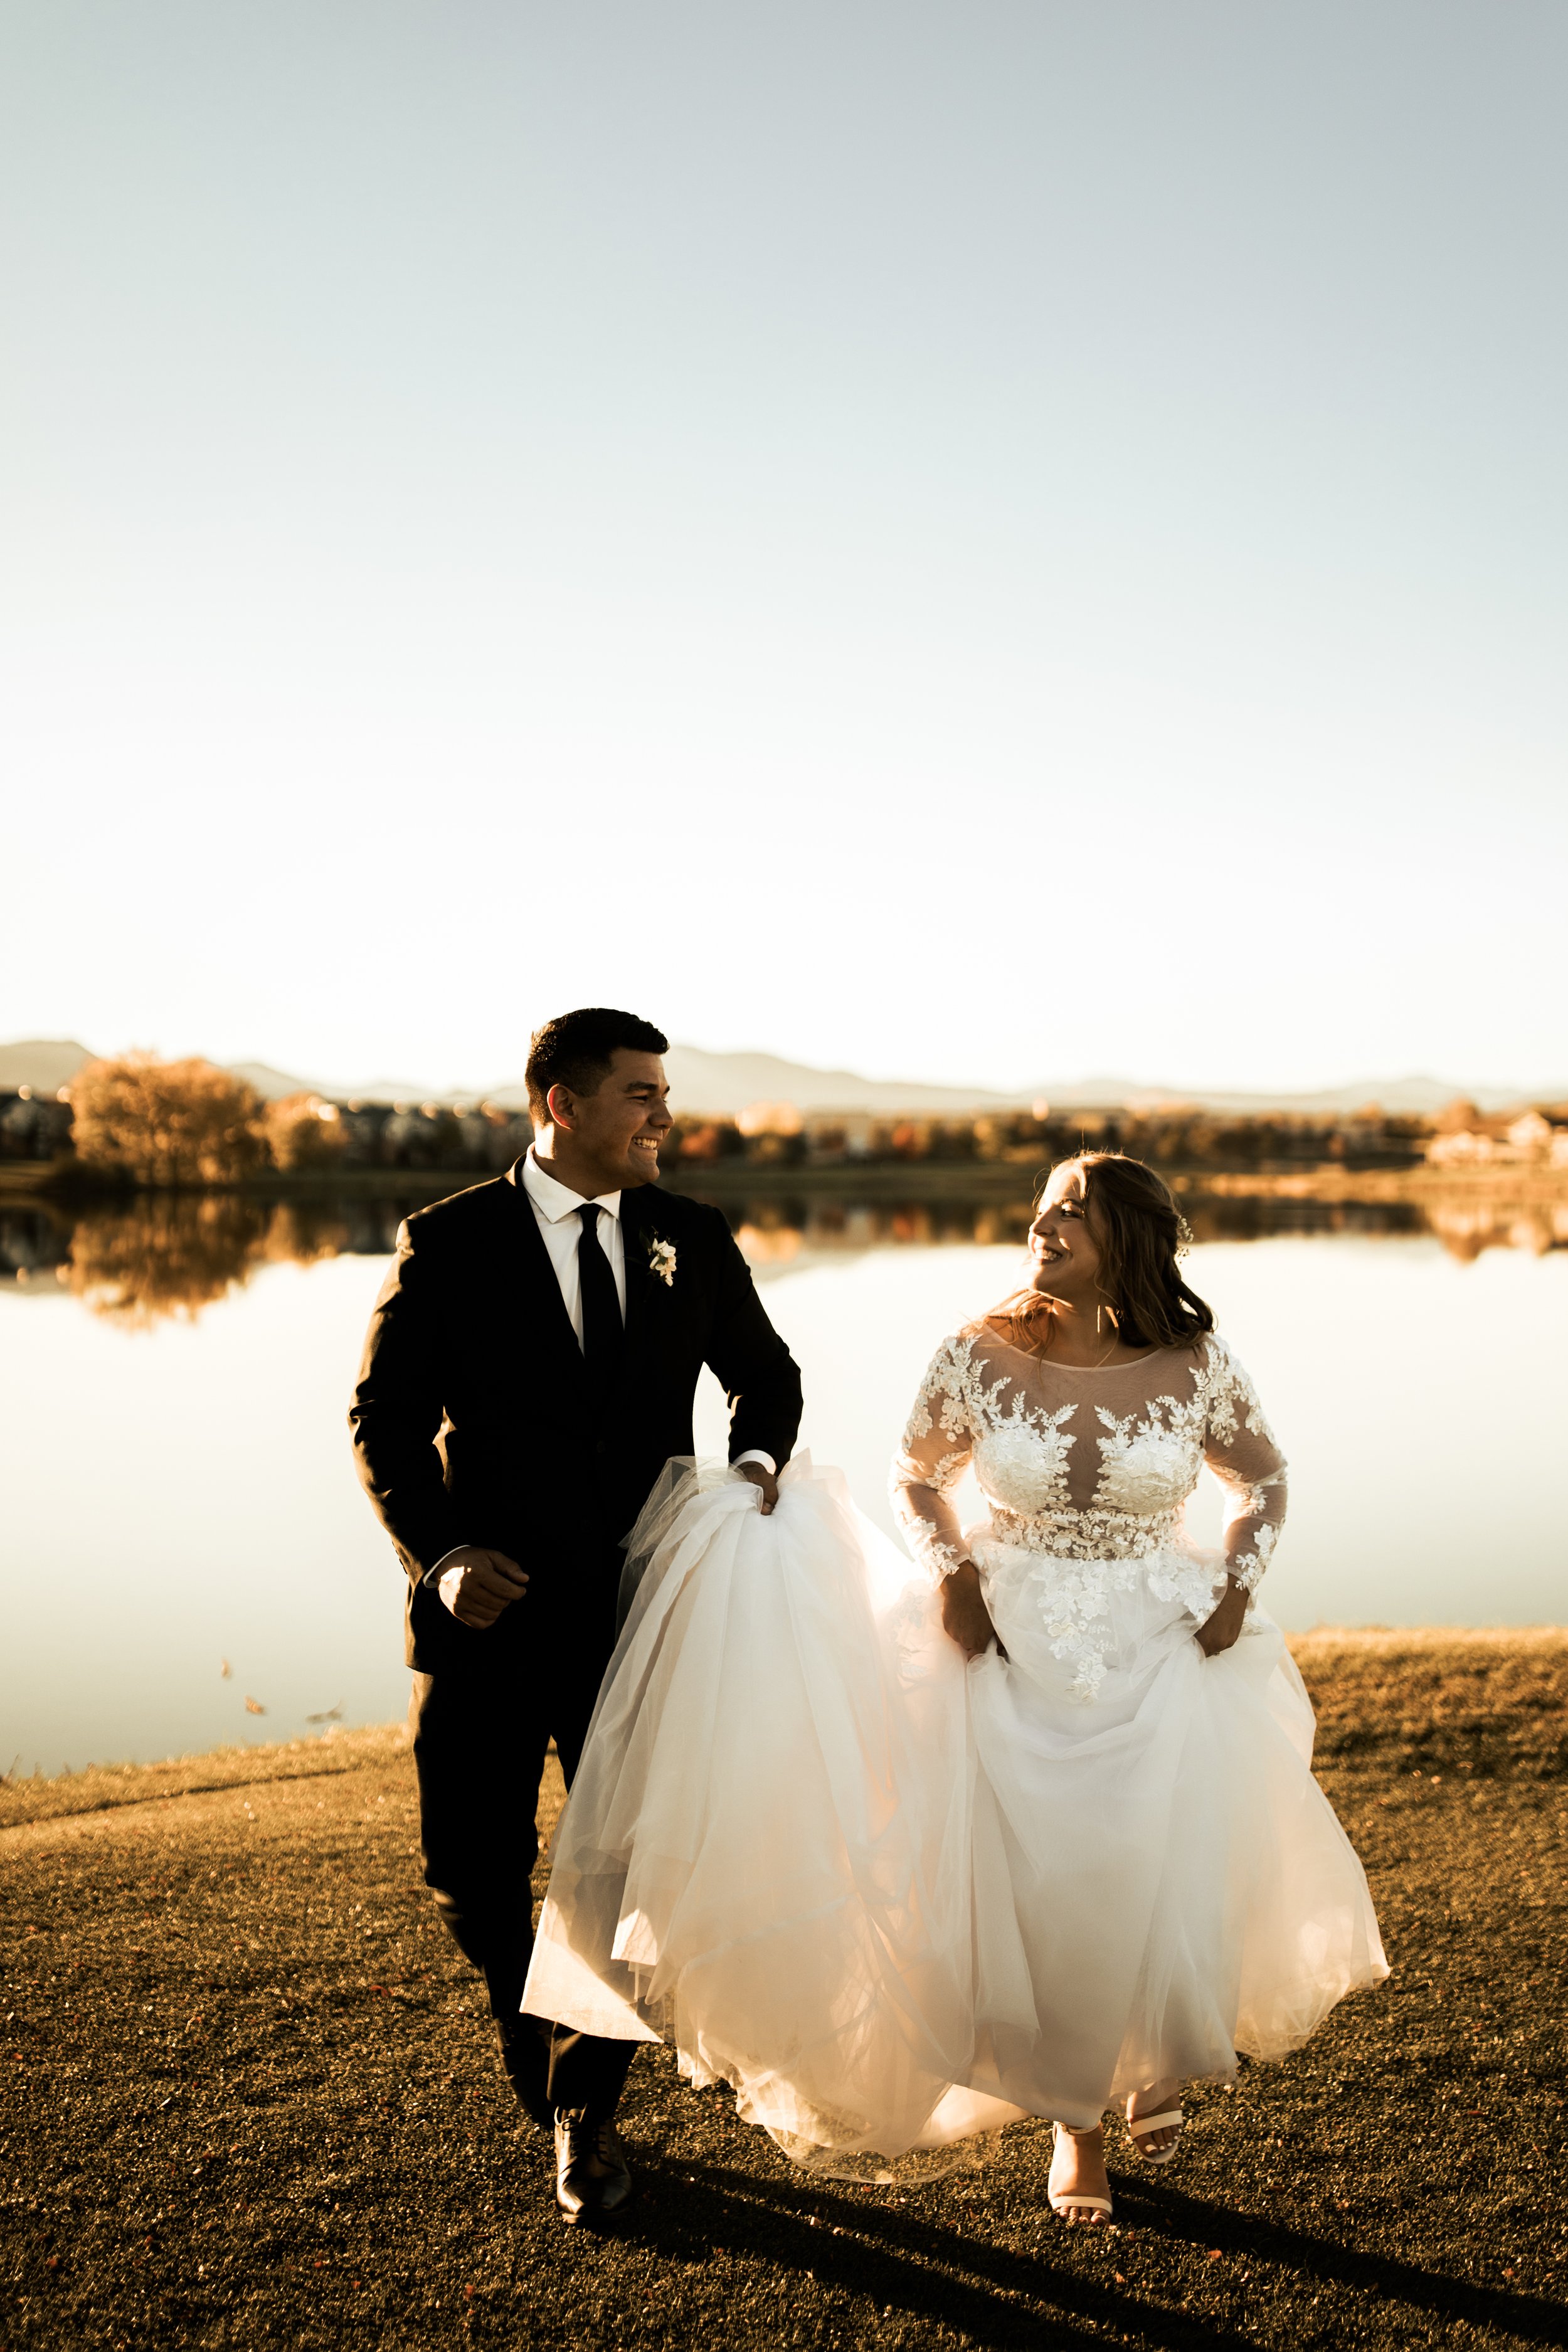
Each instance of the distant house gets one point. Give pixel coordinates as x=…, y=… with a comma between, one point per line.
x=769, y=1119
x=1530, y=1136
x=34, y=1124
x=840, y=1134
x=1528, y=1142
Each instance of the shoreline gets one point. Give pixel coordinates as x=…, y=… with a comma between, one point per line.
x=1475, y=1695
x=41, y=1185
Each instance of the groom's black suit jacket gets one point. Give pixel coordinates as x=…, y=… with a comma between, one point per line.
x=476, y=1421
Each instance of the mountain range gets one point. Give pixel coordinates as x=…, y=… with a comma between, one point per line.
x=720, y=1084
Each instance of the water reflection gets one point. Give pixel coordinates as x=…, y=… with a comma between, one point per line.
x=1465, y=1230
x=162, y=1254
x=781, y=1231
x=153, y=1255
x=252, y=1543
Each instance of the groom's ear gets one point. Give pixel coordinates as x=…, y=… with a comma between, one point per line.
x=562, y=1105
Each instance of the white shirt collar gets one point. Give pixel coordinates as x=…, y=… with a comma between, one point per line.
x=554, y=1200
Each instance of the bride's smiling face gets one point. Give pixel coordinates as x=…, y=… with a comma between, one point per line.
x=1065, y=1258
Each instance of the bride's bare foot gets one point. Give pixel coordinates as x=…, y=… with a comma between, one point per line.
x=1159, y=2099
x=1077, y=2188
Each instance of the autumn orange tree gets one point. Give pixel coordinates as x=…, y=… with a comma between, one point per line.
x=161, y=1122
x=303, y=1131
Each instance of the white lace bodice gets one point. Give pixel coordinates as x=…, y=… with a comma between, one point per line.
x=1087, y=1465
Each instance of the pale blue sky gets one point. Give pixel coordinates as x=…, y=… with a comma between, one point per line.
x=989, y=542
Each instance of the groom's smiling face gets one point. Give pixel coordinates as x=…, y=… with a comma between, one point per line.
x=611, y=1137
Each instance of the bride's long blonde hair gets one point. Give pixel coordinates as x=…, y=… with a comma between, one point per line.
x=1140, y=1233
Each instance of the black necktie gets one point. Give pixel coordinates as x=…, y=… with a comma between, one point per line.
x=602, y=1327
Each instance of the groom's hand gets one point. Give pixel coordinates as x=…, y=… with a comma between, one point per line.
x=761, y=1476
x=476, y=1584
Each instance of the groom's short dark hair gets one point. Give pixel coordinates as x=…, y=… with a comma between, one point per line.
x=574, y=1050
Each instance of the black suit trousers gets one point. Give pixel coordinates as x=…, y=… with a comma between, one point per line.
x=482, y=1730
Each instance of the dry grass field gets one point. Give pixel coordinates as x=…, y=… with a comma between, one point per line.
x=250, y=2098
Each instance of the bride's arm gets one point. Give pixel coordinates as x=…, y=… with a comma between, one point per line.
x=1241, y=1450
x=933, y=1458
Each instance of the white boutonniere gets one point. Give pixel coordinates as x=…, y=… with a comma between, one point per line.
x=661, y=1260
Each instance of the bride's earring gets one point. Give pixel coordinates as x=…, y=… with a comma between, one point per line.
x=1096, y=1332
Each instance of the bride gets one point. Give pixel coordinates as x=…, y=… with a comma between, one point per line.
x=904, y=1856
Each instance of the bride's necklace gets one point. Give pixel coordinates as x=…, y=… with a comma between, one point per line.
x=1050, y=1331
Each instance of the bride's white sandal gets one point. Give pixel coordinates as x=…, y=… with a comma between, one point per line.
x=1067, y=2205
x=1138, y=2127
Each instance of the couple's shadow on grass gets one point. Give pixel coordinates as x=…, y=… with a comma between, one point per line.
x=913, y=2266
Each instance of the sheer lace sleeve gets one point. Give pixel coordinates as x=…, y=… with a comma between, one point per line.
x=1241, y=1450
x=931, y=1460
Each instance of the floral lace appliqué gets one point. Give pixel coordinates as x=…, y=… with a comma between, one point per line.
x=1247, y=1568
x=1020, y=1454
x=1230, y=1398
x=982, y=1403
x=1072, y=1598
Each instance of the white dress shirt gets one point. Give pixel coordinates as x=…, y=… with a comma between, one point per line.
x=556, y=1208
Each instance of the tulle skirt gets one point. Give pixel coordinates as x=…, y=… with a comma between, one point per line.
x=896, y=1899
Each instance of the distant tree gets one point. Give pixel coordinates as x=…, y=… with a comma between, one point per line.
x=303, y=1131
x=166, y=1122
x=423, y=1135
x=706, y=1140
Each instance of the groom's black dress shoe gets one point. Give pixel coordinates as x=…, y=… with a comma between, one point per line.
x=525, y=2062
x=593, y=2179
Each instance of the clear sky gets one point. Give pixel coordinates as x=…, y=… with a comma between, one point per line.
x=988, y=541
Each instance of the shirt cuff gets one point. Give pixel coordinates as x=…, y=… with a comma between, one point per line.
x=432, y=1576
x=755, y=1454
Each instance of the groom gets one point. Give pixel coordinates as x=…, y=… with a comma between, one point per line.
x=529, y=1368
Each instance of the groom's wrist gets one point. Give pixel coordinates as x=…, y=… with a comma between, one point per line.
x=755, y=1454
x=432, y=1576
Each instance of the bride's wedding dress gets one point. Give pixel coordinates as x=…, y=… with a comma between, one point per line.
x=896, y=1899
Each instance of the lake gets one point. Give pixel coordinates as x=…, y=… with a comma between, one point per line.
x=180, y=1499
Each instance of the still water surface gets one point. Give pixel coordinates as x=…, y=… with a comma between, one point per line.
x=179, y=1492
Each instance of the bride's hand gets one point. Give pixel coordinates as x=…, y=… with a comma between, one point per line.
x=1217, y=1632
x=966, y=1619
